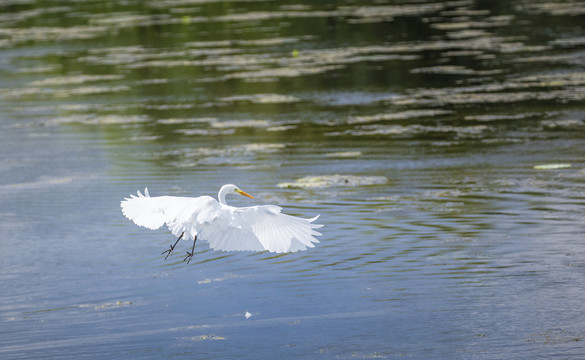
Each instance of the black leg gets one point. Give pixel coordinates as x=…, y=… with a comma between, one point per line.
x=190, y=254
x=169, y=251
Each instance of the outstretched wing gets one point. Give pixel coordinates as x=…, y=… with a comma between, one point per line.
x=180, y=214
x=259, y=228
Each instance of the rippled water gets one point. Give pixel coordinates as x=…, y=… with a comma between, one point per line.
x=441, y=142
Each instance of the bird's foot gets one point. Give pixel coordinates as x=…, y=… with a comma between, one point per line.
x=168, y=252
x=188, y=257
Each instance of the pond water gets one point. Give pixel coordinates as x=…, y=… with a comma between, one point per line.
x=441, y=142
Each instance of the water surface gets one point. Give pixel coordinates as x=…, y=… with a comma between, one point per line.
x=441, y=142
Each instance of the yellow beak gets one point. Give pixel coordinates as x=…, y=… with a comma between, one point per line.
x=244, y=193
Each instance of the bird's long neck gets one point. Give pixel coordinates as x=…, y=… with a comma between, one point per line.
x=221, y=195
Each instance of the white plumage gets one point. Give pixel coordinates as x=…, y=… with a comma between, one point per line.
x=225, y=227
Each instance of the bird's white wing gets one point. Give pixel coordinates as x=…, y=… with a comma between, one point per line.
x=259, y=228
x=180, y=214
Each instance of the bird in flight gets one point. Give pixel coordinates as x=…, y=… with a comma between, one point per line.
x=225, y=227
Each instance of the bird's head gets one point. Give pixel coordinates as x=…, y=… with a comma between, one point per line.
x=243, y=193
x=230, y=189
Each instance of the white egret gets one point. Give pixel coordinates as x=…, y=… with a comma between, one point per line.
x=225, y=227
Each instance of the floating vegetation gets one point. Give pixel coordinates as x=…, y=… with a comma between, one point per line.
x=145, y=138
x=103, y=306
x=265, y=57
x=551, y=59
x=226, y=57
x=74, y=80
x=260, y=42
x=38, y=69
x=216, y=123
x=92, y=119
x=570, y=8
x=259, y=147
x=248, y=66
x=262, y=99
x=239, y=123
x=400, y=115
x=240, y=155
x=281, y=128
x=344, y=154
x=500, y=117
x=129, y=19
x=569, y=42
x=204, y=338
x=412, y=130
x=353, y=97
x=47, y=93
x=12, y=18
x=556, y=336
x=205, y=132
x=16, y=36
x=108, y=305
x=242, y=149
x=271, y=15
x=492, y=94
x=41, y=182
x=325, y=181
x=228, y=276
x=168, y=106
x=370, y=14
x=175, y=121
x=552, y=166
x=453, y=70
x=465, y=24
x=286, y=72
x=564, y=124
